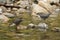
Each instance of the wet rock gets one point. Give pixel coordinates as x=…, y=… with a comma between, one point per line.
x=42, y=26
x=31, y=25
x=55, y=1
x=57, y=10
x=56, y=29
x=43, y=0
x=53, y=15
x=12, y=25
x=4, y=19
x=21, y=27
x=21, y=10
x=1, y=10
x=37, y=9
x=9, y=15
x=49, y=1
x=23, y=3
x=1, y=1
x=47, y=6
x=15, y=9
x=8, y=10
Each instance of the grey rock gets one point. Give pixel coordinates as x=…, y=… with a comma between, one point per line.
x=3, y=1
x=42, y=26
x=31, y=25
x=37, y=9
x=4, y=19
x=56, y=29
x=21, y=27
x=9, y=15
x=1, y=10
x=57, y=10
x=21, y=10
x=53, y=15
x=24, y=3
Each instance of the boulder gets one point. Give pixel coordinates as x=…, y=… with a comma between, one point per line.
x=8, y=10
x=56, y=29
x=37, y=9
x=1, y=10
x=31, y=25
x=43, y=0
x=21, y=10
x=42, y=26
x=57, y=10
x=43, y=7
x=23, y=4
x=21, y=27
x=55, y=1
x=10, y=15
x=4, y=19
x=15, y=9
x=49, y=1
x=46, y=6
x=53, y=15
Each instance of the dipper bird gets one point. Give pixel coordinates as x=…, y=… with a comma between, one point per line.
x=16, y=22
x=43, y=15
